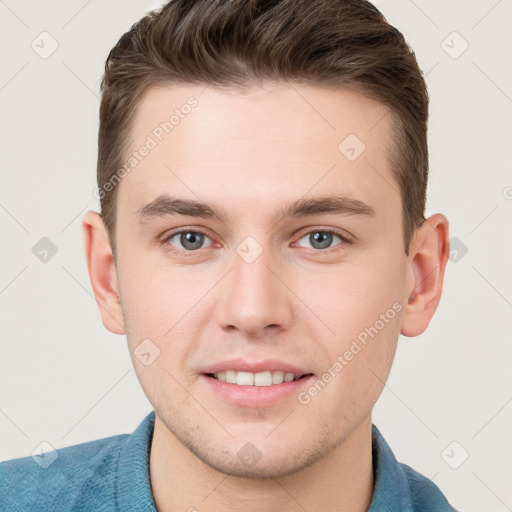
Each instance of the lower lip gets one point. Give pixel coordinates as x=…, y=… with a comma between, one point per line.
x=256, y=396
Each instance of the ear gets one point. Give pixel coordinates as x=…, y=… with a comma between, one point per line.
x=102, y=271
x=428, y=256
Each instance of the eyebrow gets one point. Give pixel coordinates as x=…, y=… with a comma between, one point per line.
x=165, y=205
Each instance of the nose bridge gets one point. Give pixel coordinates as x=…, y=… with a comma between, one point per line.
x=256, y=297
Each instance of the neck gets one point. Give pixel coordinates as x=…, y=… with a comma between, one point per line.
x=342, y=480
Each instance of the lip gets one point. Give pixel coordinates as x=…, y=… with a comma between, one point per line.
x=254, y=396
x=241, y=365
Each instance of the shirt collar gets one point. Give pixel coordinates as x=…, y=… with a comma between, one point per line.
x=133, y=488
x=391, y=489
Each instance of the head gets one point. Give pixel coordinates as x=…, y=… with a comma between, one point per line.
x=231, y=135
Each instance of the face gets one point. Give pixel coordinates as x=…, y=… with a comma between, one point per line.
x=292, y=261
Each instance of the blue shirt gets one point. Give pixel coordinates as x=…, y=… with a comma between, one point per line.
x=112, y=474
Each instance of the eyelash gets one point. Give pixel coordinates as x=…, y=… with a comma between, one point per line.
x=180, y=252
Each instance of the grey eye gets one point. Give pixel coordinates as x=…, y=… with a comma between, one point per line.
x=320, y=239
x=189, y=240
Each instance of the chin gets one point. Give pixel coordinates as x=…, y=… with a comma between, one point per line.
x=249, y=462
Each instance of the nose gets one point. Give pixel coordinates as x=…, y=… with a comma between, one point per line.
x=255, y=298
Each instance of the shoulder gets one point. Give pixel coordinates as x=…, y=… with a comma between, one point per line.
x=57, y=480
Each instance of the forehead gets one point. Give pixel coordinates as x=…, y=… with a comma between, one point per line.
x=282, y=110
x=260, y=145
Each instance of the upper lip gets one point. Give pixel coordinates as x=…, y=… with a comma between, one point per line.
x=241, y=365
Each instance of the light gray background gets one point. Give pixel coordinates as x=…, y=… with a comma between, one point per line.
x=65, y=379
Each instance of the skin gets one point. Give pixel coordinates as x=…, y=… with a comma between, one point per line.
x=251, y=153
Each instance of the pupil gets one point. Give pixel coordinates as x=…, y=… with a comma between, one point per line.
x=191, y=240
x=321, y=238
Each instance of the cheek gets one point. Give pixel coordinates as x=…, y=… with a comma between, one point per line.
x=358, y=367
x=363, y=308
x=154, y=296
x=160, y=309
x=349, y=298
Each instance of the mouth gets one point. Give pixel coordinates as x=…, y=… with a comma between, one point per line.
x=254, y=384
x=260, y=379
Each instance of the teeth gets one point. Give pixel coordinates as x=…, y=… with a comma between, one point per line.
x=245, y=378
x=255, y=379
x=288, y=377
x=263, y=379
x=277, y=377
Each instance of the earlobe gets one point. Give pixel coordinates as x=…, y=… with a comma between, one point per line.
x=102, y=271
x=428, y=258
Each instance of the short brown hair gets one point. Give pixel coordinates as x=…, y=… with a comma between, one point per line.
x=242, y=43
